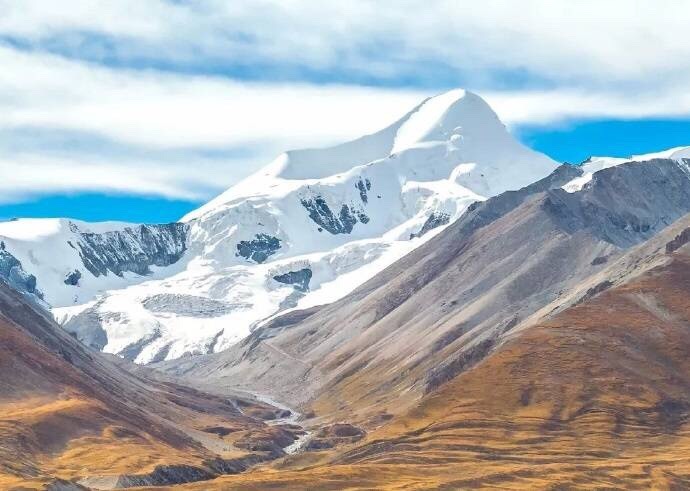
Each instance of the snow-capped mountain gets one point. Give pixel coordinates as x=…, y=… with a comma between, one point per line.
x=595, y=164
x=76, y=261
x=303, y=231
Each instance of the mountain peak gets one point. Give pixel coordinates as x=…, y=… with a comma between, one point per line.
x=457, y=127
x=444, y=117
x=305, y=230
x=441, y=118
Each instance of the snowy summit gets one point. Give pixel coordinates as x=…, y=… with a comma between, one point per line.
x=303, y=231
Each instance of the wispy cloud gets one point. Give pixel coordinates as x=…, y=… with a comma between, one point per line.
x=640, y=42
x=557, y=105
x=164, y=109
x=70, y=125
x=182, y=99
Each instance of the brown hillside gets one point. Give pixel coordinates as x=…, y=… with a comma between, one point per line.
x=596, y=397
x=72, y=414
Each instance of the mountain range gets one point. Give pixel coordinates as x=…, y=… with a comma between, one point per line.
x=303, y=231
x=433, y=306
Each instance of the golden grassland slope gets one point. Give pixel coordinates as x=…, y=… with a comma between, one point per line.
x=597, y=396
x=67, y=412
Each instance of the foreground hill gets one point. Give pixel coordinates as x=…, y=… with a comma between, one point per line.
x=69, y=414
x=593, y=396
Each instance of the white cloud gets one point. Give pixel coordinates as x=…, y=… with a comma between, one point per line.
x=626, y=59
x=163, y=126
x=27, y=175
x=169, y=110
x=640, y=42
x=554, y=106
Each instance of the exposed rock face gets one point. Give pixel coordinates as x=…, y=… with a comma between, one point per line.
x=165, y=475
x=131, y=351
x=596, y=290
x=679, y=241
x=436, y=219
x=62, y=485
x=363, y=186
x=335, y=435
x=458, y=364
x=87, y=328
x=72, y=278
x=627, y=204
x=258, y=249
x=234, y=466
x=322, y=215
x=12, y=272
x=134, y=249
x=292, y=300
x=299, y=279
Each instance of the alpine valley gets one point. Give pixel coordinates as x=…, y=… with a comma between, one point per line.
x=432, y=306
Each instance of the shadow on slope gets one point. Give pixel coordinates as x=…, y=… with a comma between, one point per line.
x=68, y=413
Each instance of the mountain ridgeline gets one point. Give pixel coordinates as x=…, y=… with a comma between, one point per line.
x=434, y=305
x=503, y=262
x=131, y=249
x=305, y=230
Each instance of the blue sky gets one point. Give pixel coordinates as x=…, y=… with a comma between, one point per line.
x=142, y=109
x=575, y=141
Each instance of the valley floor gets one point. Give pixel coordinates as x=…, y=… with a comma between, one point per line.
x=596, y=397
x=541, y=342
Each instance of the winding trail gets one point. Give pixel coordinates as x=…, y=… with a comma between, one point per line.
x=285, y=354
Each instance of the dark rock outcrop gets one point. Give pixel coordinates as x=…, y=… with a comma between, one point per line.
x=335, y=435
x=258, y=249
x=12, y=272
x=595, y=290
x=363, y=186
x=72, y=278
x=133, y=350
x=679, y=241
x=436, y=219
x=458, y=363
x=63, y=485
x=165, y=475
x=133, y=249
x=236, y=465
x=299, y=279
x=325, y=218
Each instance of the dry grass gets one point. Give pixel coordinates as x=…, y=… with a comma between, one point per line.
x=596, y=398
x=67, y=413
